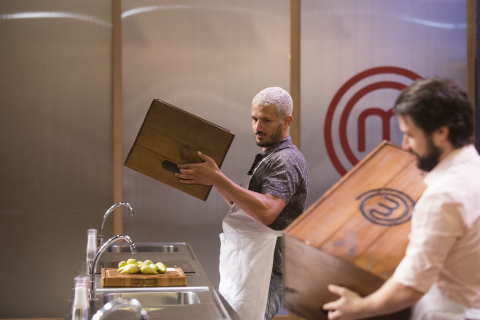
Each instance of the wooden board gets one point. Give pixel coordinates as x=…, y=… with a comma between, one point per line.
x=355, y=235
x=305, y=295
x=170, y=136
x=110, y=278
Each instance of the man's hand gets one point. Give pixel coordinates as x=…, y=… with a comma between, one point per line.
x=345, y=308
x=199, y=173
x=391, y=297
x=264, y=208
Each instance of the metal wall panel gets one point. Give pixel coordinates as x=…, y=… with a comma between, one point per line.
x=209, y=58
x=56, y=142
x=342, y=39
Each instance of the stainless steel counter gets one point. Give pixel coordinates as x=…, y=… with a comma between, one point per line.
x=197, y=300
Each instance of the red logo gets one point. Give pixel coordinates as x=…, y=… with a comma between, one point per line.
x=385, y=116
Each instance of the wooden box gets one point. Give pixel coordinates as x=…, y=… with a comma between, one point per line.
x=171, y=278
x=355, y=235
x=170, y=136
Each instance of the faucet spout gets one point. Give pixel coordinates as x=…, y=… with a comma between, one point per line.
x=133, y=249
x=93, y=270
x=110, y=210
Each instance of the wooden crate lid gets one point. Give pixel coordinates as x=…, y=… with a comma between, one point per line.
x=170, y=136
x=365, y=217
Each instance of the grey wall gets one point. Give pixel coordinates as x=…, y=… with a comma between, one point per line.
x=56, y=147
x=340, y=39
x=209, y=58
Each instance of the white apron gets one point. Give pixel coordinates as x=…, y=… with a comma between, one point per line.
x=246, y=260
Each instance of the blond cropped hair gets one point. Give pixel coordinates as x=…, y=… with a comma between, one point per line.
x=277, y=97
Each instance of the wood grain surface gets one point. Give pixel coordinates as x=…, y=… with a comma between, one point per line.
x=171, y=134
x=355, y=235
x=110, y=278
x=306, y=280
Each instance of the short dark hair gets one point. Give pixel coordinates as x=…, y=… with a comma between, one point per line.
x=436, y=102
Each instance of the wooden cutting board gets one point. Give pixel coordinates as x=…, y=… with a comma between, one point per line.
x=170, y=136
x=110, y=278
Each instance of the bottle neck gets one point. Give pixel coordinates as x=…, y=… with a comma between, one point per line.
x=91, y=247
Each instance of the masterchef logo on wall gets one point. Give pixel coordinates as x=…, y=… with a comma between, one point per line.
x=367, y=96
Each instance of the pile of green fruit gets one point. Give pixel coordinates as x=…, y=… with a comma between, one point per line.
x=133, y=266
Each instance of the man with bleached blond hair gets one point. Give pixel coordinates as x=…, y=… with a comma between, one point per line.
x=270, y=197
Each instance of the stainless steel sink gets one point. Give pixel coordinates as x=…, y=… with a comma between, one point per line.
x=160, y=299
x=197, y=300
x=121, y=247
x=156, y=299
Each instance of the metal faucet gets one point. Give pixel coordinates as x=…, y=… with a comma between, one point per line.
x=93, y=286
x=116, y=205
x=120, y=303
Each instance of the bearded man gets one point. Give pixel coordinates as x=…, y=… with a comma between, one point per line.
x=440, y=273
x=271, y=196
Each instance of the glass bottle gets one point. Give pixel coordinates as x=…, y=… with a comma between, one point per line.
x=80, y=301
x=91, y=248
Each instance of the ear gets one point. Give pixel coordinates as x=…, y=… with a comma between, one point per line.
x=287, y=121
x=440, y=136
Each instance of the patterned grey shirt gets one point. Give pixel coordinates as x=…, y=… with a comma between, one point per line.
x=284, y=175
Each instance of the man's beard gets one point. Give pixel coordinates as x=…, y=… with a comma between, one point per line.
x=431, y=159
x=273, y=139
